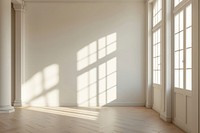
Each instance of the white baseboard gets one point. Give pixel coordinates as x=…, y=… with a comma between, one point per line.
x=122, y=104
x=156, y=109
x=17, y=103
x=165, y=118
x=181, y=125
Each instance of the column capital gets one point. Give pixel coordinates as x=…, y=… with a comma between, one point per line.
x=18, y=6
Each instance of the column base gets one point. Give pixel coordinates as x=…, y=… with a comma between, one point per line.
x=17, y=103
x=6, y=109
x=165, y=118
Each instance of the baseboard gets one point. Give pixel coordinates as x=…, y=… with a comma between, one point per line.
x=7, y=109
x=122, y=104
x=149, y=106
x=181, y=125
x=156, y=109
x=165, y=118
x=17, y=103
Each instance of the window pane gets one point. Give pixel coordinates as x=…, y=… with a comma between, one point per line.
x=181, y=79
x=181, y=59
x=176, y=42
x=189, y=37
x=189, y=79
x=158, y=80
x=176, y=78
x=159, y=16
x=189, y=16
x=181, y=21
x=189, y=58
x=176, y=2
x=158, y=40
x=157, y=12
x=159, y=4
x=176, y=60
x=154, y=77
x=176, y=23
x=181, y=40
x=158, y=49
x=158, y=63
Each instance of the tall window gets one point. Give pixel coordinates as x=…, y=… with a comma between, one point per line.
x=157, y=19
x=183, y=46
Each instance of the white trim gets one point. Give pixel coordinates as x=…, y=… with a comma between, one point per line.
x=19, y=50
x=181, y=125
x=17, y=2
x=149, y=54
x=182, y=7
x=85, y=0
x=118, y=104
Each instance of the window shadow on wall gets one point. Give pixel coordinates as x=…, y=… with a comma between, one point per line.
x=97, y=72
x=42, y=89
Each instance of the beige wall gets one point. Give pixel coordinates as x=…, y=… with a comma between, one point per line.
x=57, y=32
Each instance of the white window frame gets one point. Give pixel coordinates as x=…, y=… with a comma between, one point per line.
x=177, y=9
x=155, y=28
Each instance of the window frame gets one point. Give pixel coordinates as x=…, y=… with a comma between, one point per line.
x=158, y=26
x=182, y=6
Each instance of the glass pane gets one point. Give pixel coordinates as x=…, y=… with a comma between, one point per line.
x=158, y=63
x=154, y=77
x=176, y=60
x=176, y=42
x=154, y=51
x=154, y=37
x=176, y=78
x=176, y=23
x=158, y=36
x=159, y=16
x=181, y=60
x=189, y=37
x=159, y=4
x=158, y=49
x=176, y=2
x=189, y=79
x=189, y=58
x=158, y=80
x=181, y=40
x=181, y=21
x=189, y=16
x=181, y=79
x=154, y=63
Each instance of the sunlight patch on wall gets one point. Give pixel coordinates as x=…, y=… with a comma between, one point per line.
x=98, y=85
x=41, y=90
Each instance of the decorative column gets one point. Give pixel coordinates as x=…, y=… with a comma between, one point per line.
x=149, y=64
x=19, y=45
x=166, y=102
x=5, y=56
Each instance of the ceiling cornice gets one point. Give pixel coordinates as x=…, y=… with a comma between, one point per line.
x=85, y=0
x=20, y=2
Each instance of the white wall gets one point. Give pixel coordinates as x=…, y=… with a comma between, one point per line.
x=57, y=32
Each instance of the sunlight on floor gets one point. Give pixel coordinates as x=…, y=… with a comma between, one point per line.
x=69, y=112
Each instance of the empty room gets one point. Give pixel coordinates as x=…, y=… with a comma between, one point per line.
x=99, y=66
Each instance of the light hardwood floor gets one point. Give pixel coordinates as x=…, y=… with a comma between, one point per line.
x=84, y=120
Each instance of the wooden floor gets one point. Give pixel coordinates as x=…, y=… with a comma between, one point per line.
x=84, y=120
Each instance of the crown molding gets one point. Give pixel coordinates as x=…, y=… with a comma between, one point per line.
x=18, y=2
x=84, y=0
